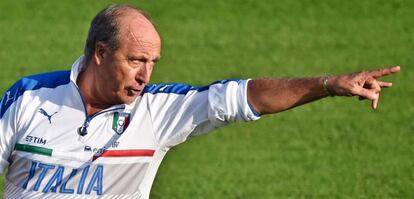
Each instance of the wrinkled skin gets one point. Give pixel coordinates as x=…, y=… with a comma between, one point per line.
x=279, y=94
x=363, y=84
x=119, y=77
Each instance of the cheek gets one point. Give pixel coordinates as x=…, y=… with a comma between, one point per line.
x=113, y=80
x=126, y=77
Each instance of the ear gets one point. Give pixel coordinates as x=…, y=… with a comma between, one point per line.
x=100, y=52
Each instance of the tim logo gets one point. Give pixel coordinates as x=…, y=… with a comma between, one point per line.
x=49, y=117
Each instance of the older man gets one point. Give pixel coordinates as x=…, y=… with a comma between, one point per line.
x=101, y=130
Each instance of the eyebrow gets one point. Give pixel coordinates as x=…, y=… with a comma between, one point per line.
x=143, y=56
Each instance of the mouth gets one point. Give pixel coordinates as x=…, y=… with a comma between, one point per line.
x=134, y=92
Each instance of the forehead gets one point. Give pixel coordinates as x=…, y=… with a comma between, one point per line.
x=137, y=32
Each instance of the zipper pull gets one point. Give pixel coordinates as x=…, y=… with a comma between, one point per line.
x=83, y=130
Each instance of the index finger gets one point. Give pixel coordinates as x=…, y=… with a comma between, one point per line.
x=385, y=71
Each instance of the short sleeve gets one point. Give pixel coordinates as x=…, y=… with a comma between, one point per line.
x=180, y=111
x=7, y=127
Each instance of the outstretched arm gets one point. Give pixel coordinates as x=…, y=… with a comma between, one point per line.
x=275, y=95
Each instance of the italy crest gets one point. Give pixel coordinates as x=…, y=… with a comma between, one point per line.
x=120, y=122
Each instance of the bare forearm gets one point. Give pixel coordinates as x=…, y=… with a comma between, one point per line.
x=275, y=95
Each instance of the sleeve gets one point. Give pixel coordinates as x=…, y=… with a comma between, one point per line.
x=7, y=127
x=180, y=111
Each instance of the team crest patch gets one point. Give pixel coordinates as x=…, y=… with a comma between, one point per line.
x=120, y=122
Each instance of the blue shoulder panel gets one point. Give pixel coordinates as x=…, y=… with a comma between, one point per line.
x=180, y=88
x=34, y=82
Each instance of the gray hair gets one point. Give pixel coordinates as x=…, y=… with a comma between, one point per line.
x=105, y=28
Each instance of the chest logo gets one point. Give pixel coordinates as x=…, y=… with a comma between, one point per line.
x=120, y=122
x=49, y=117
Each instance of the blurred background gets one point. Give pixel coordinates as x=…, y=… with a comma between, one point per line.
x=333, y=148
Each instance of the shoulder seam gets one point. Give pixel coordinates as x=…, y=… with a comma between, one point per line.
x=176, y=88
x=31, y=83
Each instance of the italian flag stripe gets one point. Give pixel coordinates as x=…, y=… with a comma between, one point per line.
x=114, y=122
x=127, y=153
x=33, y=149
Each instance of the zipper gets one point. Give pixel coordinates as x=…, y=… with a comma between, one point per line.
x=83, y=130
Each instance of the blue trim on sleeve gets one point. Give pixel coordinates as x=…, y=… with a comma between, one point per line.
x=34, y=82
x=181, y=89
x=257, y=114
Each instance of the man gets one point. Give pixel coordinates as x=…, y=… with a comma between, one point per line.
x=101, y=130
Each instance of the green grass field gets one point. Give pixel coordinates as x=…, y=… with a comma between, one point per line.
x=334, y=148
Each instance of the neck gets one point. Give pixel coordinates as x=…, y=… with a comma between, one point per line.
x=87, y=88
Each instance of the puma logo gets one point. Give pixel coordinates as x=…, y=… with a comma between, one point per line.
x=49, y=117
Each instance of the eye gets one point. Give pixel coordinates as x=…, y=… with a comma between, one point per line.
x=137, y=60
x=142, y=59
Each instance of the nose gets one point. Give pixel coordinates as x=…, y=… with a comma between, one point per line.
x=144, y=75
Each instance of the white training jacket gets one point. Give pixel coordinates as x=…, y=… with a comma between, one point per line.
x=52, y=149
